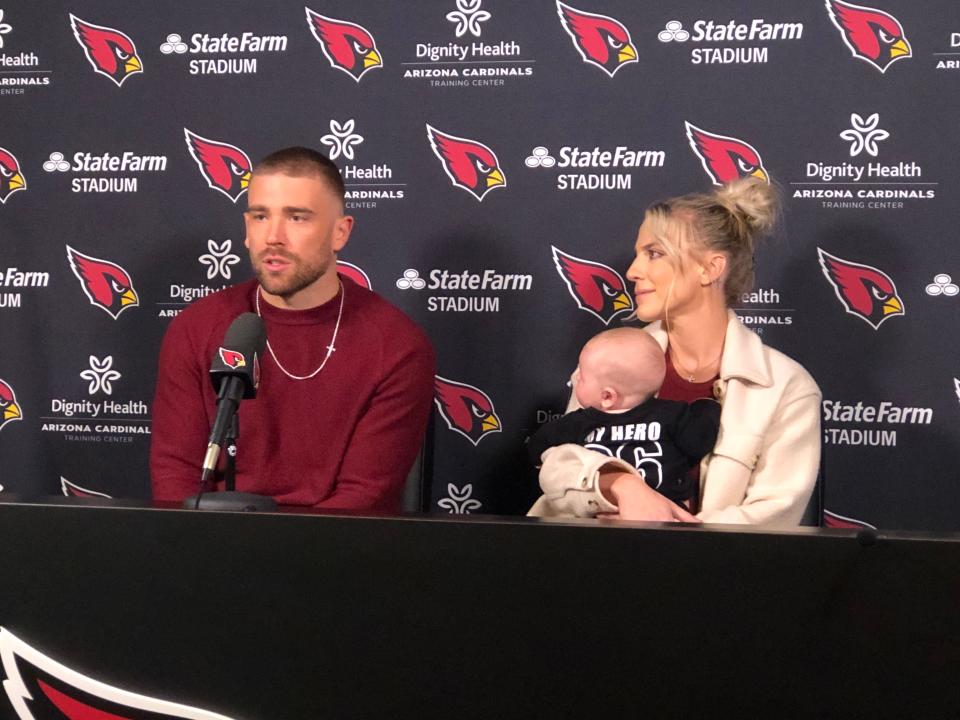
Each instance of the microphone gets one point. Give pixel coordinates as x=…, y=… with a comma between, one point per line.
x=235, y=374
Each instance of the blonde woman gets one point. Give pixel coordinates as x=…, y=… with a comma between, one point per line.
x=694, y=260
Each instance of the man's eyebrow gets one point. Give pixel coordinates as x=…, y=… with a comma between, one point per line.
x=289, y=210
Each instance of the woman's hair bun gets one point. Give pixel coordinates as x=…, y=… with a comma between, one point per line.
x=752, y=200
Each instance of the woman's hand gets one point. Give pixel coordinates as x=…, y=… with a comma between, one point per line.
x=636, y=500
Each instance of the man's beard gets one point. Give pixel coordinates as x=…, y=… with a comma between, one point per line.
x=290, y=284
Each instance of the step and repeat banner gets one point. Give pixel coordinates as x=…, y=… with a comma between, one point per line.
x=498, y=158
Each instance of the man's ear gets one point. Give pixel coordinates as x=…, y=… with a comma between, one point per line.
x=341, y=232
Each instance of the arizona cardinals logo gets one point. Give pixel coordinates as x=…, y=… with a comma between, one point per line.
x=11, y=179
x=872, y=35
x=725, y=158
x=597, y=288
x=355, y=273
x=70, y=489
x=40, y=688
x=110, y=52
x=225, y=167
x=468, y=410
x=832, y=520
x=106, y=284
x=469, y=164
x=865, y=291
x=232, y=358
x=600, y=40
x=9, y=409
x=348, y=46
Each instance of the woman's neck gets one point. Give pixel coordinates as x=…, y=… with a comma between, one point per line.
x=696, y=338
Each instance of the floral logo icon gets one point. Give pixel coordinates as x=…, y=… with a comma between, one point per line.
x=468, y=17
x=218, y=259
x=864, y=135
x=341, y=139
x=460, y=502
x=174, y=44
x=101, y=375
x=7, y=27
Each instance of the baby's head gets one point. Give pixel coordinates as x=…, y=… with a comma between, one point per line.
x=619, y=369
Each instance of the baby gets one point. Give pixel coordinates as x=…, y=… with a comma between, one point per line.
x=619, y=373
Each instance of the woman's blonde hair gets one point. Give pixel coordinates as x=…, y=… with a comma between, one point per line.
x=730, y=220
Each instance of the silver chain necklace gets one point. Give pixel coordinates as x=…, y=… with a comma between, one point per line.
x=330, y=348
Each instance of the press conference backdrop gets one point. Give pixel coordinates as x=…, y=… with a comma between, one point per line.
x=498, y=157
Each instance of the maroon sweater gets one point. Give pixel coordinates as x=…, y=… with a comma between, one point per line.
x=343, y=439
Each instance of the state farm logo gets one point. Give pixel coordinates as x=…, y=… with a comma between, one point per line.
x=20, y=281
x=365, y=184
x=225, y=54
x=217, y=263
x=226, y=168
x=39, y=687
x=9, y=407
x=725, y=158
x=865, y=291
x=466, y=409
x=596, y=288
x=470, y=165
x=872, y=35
x=109, y=51
x=466, y=62
x=106, y=285
x=105, y=172
x=11, y=177
x=874, y=424
x=601, y=40
x=942, y=285
x=761, y=308
x=610, y=168
x=465, y=291
x=737, y=42
x=348, y=47
x=948, y=59
x=860, y=182
x=98, y=417
x=18, y=70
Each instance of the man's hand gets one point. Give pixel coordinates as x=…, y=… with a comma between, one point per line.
x=636, y=500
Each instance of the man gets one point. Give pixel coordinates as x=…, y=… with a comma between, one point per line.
x=347, y=379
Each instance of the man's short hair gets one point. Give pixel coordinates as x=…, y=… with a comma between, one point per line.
x=300, y=162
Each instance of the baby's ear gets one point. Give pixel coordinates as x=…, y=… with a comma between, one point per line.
x=609, y=398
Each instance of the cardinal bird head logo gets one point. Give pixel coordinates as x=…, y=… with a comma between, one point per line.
x=110, y=52
x=832, y=520
x=70, y=489
x=469, y=164
x=11, y=178
x=865, y=291
x=225, y=167
x=106, y=284
x=40, y=688
x=872, y=35
x=355, y=273
x=600, y=40
x=9, y=408
x=467, y=410
x=349, y=47
x=231, y=358
x=597, y=288
x=725, y=158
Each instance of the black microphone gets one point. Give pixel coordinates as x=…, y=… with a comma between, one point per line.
x=235, y=374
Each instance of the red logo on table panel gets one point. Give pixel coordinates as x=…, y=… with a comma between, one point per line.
x=225, y=167
x=467, y=409
x=469, y=164
x=872, y=35
x=865, y=291
x=597, y=288
x=11, y=177
x=725, y=158
x=106, y=284
x=349, y=47
x=109, y=51
x=40, y=688
x=601, y=40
